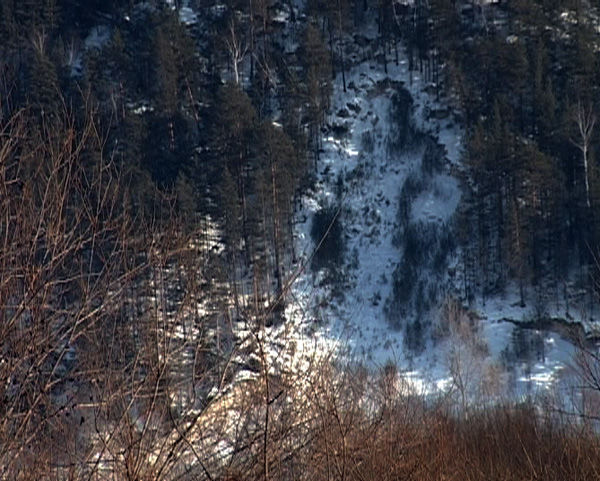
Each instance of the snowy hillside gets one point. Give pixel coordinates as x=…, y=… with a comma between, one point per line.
x=362, y=175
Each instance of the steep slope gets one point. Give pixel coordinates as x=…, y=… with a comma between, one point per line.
x=389, y=170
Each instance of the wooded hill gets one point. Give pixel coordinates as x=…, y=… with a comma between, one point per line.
x=151, y=158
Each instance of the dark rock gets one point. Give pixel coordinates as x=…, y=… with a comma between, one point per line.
x=354, y=107
x=439, y=114
x=362, y=41
x=339, y=130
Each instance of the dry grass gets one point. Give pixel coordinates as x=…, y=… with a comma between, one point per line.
x=370, y=428
x=502, y=443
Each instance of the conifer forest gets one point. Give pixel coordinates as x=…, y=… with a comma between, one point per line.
x=300, y=240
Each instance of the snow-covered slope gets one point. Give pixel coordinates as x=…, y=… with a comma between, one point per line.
x=362, y=175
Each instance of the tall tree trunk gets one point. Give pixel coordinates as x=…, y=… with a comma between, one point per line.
x=276, y=233
x=585, y=120
x=331, y=49
x=251, y=40
x=341, y=43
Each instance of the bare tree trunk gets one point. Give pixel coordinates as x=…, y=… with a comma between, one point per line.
x=585, y=120
x=251, y=9
x=341, y=43
x=237, y=51
x=276, y=233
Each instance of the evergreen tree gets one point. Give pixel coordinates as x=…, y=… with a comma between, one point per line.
x=234, y=133
x=44, y=89
x=313, y=56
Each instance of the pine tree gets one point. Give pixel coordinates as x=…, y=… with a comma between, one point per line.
x=313, y=56
x=166, y=75
x=280, y=174
x=8, y=26
x=234, y=133
x=44, y=89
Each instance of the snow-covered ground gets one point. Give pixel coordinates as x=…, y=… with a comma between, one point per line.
x=351, y=317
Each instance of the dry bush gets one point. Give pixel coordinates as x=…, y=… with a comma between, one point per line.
x=413, y=442
x=357, y=426
x=105, y=357
x=63, y=267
